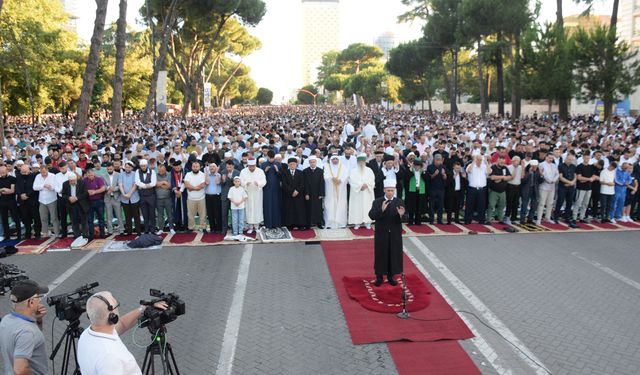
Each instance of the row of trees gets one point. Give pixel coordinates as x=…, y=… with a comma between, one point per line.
x=509, y=50
x=44, y=68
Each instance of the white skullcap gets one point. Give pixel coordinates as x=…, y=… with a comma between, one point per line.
x=35, y=165
x=312, y=157
x=390, y=183
x=143, y=162
x=533, y=162
x=227, y=154
x=334, y=156
x=251, y=162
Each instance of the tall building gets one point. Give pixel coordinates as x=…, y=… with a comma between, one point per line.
x=71, y=7
x=386, y=41
x=628, y=26
x=320, y=33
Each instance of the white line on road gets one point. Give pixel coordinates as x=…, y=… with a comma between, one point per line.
x=526, y=354
x=55, y=283
x=608, y=270
x=230, y=338
x=483, y=346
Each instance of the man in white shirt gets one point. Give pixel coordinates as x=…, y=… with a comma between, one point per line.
x=45, y=184
x=60, y=179
x=100, y=350
x=195, y=182
x=477, y=172
x=547, y=189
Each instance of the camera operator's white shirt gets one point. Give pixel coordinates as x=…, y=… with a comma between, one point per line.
x=104, y=354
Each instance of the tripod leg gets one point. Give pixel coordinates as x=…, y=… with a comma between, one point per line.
x=75, y=356
x=173, y=359
x=65, y=355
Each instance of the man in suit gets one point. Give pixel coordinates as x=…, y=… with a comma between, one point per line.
x=294, y=213
x=28, y=201
x=112, y=198
x=178, y=196
x=387, y=211
x=454, y=193
x=376, y=165
x=76, y=197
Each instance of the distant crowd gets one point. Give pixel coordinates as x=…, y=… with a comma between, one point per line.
x=300, y=167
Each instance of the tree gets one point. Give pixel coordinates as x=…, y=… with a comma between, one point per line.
x=91, y=68
x=419, y=66
x=307, y=95
x=264, y=96
x=601, y=75
x=121, y=35
x=194, y=39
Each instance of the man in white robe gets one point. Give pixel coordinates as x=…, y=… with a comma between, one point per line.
x=362, y=181
x=253, y=180
x=336, y=177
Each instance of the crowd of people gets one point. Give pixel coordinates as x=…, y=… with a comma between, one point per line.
x=300, y=167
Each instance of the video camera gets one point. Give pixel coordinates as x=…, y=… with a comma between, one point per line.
x=154, y=318
x=9, y=275
x=70, y=306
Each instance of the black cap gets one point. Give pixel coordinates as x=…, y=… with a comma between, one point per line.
x=25, y=289
x=417, y=162
x=387, y=157
x=177, y=163
x=292, y=160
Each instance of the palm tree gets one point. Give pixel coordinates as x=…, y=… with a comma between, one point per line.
x=89, y=76
x=121, y=35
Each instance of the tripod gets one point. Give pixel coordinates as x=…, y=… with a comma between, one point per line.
x=70, y=336
x=160, y=347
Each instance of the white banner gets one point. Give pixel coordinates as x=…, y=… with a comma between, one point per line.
x=207, y=95
x=161, y=92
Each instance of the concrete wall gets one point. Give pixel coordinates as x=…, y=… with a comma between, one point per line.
x=527, y=107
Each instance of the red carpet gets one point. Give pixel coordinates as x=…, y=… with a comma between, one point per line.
x=252, y=235
x=584, y=226
x=387, y=298
x=499, y=227
x=212, y=237
x=125, y=237
x=62, y=243
x=422, y=229
x=362, y=232
x=352, y=258
x=33, y=242
x=480, y=228
x=603, y=225
x=448, y=228
x=183, y=237
x=553, y=226
x=435, y=358
x=303, y=234
x=629, y=224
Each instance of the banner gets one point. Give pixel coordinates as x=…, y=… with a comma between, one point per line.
x=623, y=108
x=161, y=92
x=207, y=95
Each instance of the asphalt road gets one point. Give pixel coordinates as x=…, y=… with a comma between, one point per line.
x=569, y=301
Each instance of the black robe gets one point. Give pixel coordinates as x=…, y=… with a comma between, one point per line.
x=314, y=188
x=378, y=190
x=388, y=237
x=293, y=213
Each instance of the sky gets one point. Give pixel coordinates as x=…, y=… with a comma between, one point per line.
x=277, y=64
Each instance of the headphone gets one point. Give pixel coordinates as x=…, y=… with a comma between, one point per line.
x=113, y=317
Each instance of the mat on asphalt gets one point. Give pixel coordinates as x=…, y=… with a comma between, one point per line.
x=353, y=258
x=33, y=241
x=480, y=228
x=181, y=238
x=303, y=234
x=439, y=357
x=386, y=298
x=448, y=228
x=421, y=229
x=362, y=232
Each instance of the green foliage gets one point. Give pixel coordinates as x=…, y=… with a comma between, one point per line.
x=39, y=55
x=264, y=96
x=595, y=77
x=306, y=94
x=373, y=84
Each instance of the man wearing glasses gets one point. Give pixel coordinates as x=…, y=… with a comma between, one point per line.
x=100, y=350
x=21, y=339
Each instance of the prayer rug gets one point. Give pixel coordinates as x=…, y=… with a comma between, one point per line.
x=386, y=298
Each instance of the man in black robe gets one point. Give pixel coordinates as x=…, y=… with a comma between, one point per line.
x=314, y=192
x=376, y=165
x=293, y=197
x=387, y=212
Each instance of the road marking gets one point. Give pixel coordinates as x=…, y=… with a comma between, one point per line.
x=487, y=351
x=484, y=311
x=608, y=270
x=55, y=283
x=230, y=338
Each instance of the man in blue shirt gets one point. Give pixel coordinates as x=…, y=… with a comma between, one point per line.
x=21, y=338
x=129, y=198
x=212, y=198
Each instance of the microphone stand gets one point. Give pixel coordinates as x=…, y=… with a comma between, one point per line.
x=404, y=314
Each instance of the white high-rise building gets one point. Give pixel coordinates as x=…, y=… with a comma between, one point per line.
x=320, y=33
x=628, y=27
x=386, y=41
x=71, y=7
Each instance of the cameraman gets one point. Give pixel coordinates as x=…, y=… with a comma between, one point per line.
x=21, y=338
x=100, y=350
